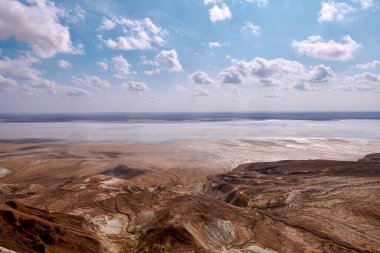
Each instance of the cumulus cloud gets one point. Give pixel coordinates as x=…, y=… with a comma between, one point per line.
x=135, y=86
x=316, y=47
x=168, y=60
x=154, y=63
x=31, y=80
x=369, y=65
x=214, y=44
x=361, y=82
x=121, y=66
x=21, y=68
x=208, y=2
x=145, y=61
x=200, y=77
x=74, y=15
x=200, y=92
x=107, y=24
x=64, y=64
x=260, y=3
x=91, y=81
x=37, y=25
x=333, y=11
x=254, y=29
x=140, y=34
x=339, y=11
x=368, y=78
x=75, y=91
x=320, y=74
x=103, y=64
x=152, y=72
x=230, y=75
x=7, y=84
x=276, y=72
x=217, y=13
x=365, y=4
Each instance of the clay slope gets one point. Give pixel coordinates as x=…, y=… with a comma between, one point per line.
x=308, y=206
x=27, y=229
x=287, y=206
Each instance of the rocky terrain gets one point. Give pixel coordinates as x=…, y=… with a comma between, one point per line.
x=267, y=207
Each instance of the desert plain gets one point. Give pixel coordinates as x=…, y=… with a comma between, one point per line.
x=192, y=195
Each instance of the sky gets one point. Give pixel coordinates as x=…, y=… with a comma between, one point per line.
x=189, y=55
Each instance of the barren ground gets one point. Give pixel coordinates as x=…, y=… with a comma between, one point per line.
x=186, y=196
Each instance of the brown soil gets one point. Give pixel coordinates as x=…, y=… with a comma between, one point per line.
x=286, y=206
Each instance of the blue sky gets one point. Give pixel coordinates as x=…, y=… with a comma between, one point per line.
x=189, y=55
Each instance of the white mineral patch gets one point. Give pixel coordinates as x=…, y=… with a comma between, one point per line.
x=110, y=225
x=198, y=187
x=4, y=250
x=144, y=219
x=113, y=182
x=258, y=249
x=220, y=232
x=4, y=172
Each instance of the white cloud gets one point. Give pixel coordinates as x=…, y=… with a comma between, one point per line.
x=208, y=2
x=260, y=3
x=103, y=64
x=121, y=66
x=152, y=27
x=200, y=92
x=320, y=74
x=145, y=61
x=168, y=60
x=139, y=42
x=75, y=91
x=368, y=78
x=369, y=65
x=7, y=84
x=140, y=34
x=21, y=68
x=365, y=4
x=91, y=81
x=200, y=77
x=64, y=64
x=135, y=86
x=254, y=29
x=37, y=25
x=361, y=82
x=107, y=24
x=276, y=72
x=217, y=13
x=316, y=47
x=214, y=44
x=193, y=90
x=304, y=86
x=333, y=11
x=74, y=15
x=31, y=80
x=152, y=72
x=230, y=75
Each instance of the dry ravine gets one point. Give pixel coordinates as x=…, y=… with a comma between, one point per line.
x=285, y=206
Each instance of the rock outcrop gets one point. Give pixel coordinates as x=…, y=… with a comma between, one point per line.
x=286, y=206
